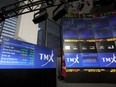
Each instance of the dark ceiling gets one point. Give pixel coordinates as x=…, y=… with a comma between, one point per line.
x=6, y=2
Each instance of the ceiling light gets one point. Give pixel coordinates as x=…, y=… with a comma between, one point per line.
x=40, y=17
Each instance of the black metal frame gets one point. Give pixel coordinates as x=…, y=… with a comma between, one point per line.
x=20, y=8
x=25, y=6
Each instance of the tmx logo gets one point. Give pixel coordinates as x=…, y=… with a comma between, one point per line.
x=47, y=57
x=73, y=60
x=110, y=59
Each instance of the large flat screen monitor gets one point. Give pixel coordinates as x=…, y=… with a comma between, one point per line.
x=90, y=43
x=17, y=54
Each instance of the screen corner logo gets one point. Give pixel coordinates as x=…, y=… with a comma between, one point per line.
x=73, y=60
x=110, y=60
x=46, y=57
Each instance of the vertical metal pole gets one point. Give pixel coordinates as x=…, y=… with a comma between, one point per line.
x=46, y=28
x=62, y=52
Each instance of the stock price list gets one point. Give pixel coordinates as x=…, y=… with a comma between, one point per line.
x=15, y=54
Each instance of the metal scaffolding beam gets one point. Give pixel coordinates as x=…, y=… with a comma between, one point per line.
x=19, y=8
x=25, y=6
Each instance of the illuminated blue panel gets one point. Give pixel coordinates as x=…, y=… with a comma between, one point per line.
x=86, y=33
x=107, y=60
x=103, y=33
x=77, y=28
x=114, y=32
x=18, y=54
x=73, y=60
x=90, y=60
x=71, y=34
x=81, y=60
x=113, y=24
x=45, y=57
x=96, y=54
x=89, y=28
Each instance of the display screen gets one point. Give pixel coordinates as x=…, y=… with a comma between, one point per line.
x=90, y=42
x=81, y=60
x=19, y=54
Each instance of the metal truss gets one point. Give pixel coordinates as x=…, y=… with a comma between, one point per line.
x=19, y=8
x=25, y=6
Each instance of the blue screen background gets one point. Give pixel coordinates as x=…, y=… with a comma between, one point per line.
x=18, y=54
x=87, y=29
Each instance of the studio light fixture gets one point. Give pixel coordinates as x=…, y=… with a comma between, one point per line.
x=40, y=17
x=57, y=14
x=49, y=2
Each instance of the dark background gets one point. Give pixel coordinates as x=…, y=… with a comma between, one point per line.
x=91, y=77
x=28, y=77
